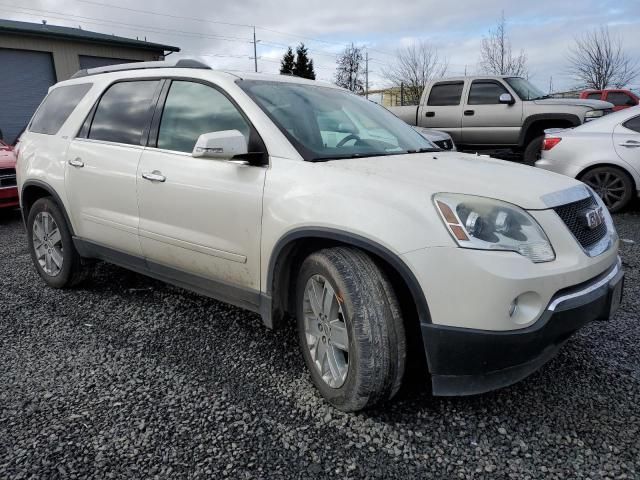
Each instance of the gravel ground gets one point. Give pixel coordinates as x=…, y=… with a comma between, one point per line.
x=127, y=377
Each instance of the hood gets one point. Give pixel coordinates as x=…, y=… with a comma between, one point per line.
x=454, y=172
x=7, y=159
x=577, y=102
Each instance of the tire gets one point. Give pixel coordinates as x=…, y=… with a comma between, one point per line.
x=65, y=268
x=364, y=306
x=531, y=153
x=612, y=184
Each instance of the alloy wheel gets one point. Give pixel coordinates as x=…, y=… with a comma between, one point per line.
x=608, y=185
x=47, y=243
x=326, y=333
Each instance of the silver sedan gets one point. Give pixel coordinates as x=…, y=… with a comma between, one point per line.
x=604, y=154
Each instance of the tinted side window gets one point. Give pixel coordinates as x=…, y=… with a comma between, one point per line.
x=620, y=99
x=485, y=93
x=445, y=94
x=57, y=107
x=633, y=124
x=124, y=112
x=594, y=96
x=192, y=109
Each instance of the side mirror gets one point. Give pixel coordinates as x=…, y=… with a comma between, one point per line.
x=507, y=99
x=223, y=145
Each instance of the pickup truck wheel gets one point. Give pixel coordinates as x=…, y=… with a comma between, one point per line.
x=532, y=152
x=51, y=246
x=612, y=184
x=350, y=328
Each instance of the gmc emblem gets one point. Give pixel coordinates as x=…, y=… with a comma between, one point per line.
x=593, y=217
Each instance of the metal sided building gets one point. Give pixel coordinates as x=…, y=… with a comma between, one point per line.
x=34, y=56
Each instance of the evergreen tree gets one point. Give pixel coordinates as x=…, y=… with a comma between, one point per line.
x=303, y=66
x=288, y=63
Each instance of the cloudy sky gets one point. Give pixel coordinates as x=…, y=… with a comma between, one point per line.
x=221, y=30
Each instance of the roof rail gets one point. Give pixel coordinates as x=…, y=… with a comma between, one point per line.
x=181, y=63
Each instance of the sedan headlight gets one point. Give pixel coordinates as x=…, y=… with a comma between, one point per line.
x=486, y=224
x=593, y=114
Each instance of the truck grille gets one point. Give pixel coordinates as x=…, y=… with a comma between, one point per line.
x=572, y=215
x=7, y=177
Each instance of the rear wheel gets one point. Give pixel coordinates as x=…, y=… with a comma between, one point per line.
x=532, y=151
x=51, y=245
x=350, y=328
x=612, y=184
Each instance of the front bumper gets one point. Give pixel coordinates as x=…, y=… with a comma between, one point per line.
x=466, y=361
x=9, y=197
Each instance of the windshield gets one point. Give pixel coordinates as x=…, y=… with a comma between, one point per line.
x=326, y=123
x=525, y=89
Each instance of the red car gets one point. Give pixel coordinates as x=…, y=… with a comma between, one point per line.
x=8, y=186
x=620, y=98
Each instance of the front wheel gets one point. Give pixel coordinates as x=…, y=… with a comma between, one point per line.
x=350, y=328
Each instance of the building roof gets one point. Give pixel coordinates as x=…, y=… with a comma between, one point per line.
x=67, y=33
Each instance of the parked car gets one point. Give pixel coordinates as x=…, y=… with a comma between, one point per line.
x=619, y=98
x=440, y=139
x=605, y=155
x=497, y=112
x=8, y=186
x=226, y=184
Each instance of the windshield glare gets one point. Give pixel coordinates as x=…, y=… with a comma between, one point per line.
x=525, y=89
x=326, y=123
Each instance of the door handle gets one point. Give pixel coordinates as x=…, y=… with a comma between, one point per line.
x=469, y=113
x=154, y=176
x=430, y=114
x=76, y=162
x=631, y=144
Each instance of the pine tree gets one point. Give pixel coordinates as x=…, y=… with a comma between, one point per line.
x=303, y=66
x=288, y=63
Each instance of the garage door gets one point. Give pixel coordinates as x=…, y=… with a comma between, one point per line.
x=87, y=61
x=25, y=77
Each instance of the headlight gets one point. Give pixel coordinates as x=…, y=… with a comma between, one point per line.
x=593, y=114
x=486, y=224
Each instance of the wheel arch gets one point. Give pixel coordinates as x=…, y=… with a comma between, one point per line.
x=33, y=190
x=534, y=125
x=296, y=245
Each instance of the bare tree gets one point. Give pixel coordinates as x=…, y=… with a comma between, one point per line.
x=350, y=69
x=598, y=61
x=414, y=67
x=496, y=55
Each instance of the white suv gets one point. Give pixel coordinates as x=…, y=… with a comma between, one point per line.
x=296, y=199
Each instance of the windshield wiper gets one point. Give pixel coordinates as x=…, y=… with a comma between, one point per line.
x=541, y=97
x=353, y=155
x=424, y=150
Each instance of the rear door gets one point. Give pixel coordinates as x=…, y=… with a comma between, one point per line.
x=204, y=216
x=102, y=164
x=626, y=139
x=443, y=108
x=486, y=121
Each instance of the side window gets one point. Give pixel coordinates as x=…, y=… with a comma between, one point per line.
x=485, y=93
x=192, y=109
x=620, y=99
x=443, y=94
x=124, y=112
x=56, y=108
x=594, y=96
x=633, y=124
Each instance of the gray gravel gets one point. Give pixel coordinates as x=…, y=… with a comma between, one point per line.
x=127, y=377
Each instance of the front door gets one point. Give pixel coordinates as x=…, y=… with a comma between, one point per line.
x=486, y=121
x=201, y=216
x=102, y=165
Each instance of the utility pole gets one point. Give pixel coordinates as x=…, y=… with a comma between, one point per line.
x=366, y=74
x=255, y=50
x=550, y=84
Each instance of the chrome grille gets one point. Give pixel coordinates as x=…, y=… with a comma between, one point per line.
x=572, y=215
x=7, y=177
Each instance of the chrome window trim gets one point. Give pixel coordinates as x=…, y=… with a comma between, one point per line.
x=588, y=289
x=106, y=142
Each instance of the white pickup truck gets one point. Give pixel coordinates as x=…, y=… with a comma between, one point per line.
x=489, y=112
